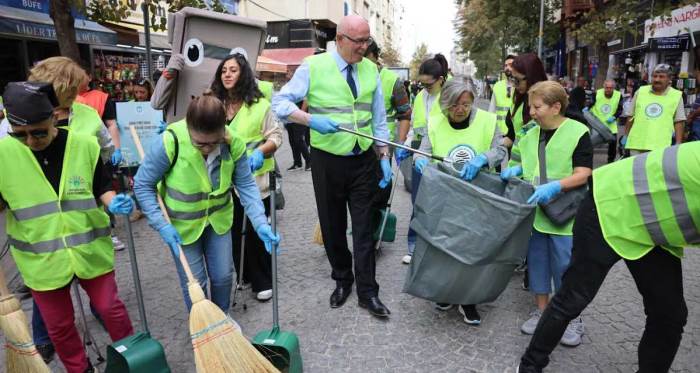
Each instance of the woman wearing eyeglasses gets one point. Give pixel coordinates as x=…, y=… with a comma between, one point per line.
x=527, y=71
x=468, y=135
x=199, y=160
x=432, y=75
x=249, y=117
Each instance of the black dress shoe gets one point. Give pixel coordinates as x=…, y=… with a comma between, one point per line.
x=375, y=307
x=340, y=295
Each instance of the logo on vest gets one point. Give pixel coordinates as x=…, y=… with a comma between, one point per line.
x=461, y=154
x=605, y=109
x=653, y=110
x=76, y=185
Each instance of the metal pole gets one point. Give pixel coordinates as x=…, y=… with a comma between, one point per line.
x=539, y=43
x=396, y=145
x=273, y=250
x=147, y=37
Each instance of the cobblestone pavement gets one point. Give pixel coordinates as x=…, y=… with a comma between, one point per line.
x=416, y=338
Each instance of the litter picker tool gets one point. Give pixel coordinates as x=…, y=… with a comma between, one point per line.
x=397, y=145
x=387, y=212
x=138, y=353
x=21, y=356
x=88, y=339
x=241, y=270
x=219, y=346
x=282, y=348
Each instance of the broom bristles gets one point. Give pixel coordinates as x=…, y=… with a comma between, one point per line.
x=218, y=344
x=21, y=355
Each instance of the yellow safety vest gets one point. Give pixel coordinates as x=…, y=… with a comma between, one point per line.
x=84, y=119
x=503, y=103
x=329, y=95
x=55, y=236
x=190, y=199
x=420, y=121
x=266, y=89
x=462, y=144
x=388, y=79
x=558, y=153
x=650, y=200
x=247, y=125
x=653, y=119
x=605, y=108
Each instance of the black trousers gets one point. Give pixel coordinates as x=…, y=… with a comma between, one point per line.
x=299, y=140
x=659, y=279
x=612, y=150
x=341, y=183
x=258, y=263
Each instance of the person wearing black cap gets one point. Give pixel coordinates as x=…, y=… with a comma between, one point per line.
x=52, y=181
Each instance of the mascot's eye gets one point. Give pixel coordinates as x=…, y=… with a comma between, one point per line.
x=194, y=52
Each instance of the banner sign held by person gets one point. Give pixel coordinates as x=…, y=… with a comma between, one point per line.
x=146, y=120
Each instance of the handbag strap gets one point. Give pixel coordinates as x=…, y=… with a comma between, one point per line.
x=541, y=155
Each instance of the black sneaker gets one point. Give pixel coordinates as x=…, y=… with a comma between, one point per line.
x=294, y=168
x=308, y=167
x=46, y=351
x=471, y=315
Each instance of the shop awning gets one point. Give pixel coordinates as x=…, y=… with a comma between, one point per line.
x=36, y=25
x=270, y=65
x=289, y=56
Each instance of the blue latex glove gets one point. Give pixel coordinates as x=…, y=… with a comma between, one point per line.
x=121, y=204
x=169, y=234
x=544, y=193
x=267, y=237
x=117, y=157
x=585, y=109
x=509, y=172
x=323, y=125
x=386, y=173
x=471, y=169
x=623, y=141
x=610, y=120
x=255, y=160
x=420, y=165
x=162, y=127
x=401, y=154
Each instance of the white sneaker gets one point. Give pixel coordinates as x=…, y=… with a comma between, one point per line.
x=443, y=306
x=572, y=334
x=530, y=325
x=264, y=295
x=406, y=259
x=118, y=245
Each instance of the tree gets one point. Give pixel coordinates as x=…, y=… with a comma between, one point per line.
x=61, y=12
x=390, y=56
x=420, y=55
x=607, y=21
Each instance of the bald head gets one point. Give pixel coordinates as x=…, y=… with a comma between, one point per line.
x=352, y=38
x=609, y=88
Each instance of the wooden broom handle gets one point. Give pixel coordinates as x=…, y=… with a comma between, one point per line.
x=183, y=260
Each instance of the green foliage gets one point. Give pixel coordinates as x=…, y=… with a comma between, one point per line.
x=390, y=56
x=420, y=54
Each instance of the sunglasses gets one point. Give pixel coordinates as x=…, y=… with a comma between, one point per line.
x=22, y=135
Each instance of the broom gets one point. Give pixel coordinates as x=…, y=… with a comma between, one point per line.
x=21, y=355
x=219, y=346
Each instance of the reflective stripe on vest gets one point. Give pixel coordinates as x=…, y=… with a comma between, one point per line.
x=248, y=126
x=468, y=142
x=559, y=151
x=653, y=119
x=55, y=236
x=605, y=108
x=388, y=79
x=657, y=194
x=503, y=103
x=190, y=199
x=329, y=95
x=420, y=120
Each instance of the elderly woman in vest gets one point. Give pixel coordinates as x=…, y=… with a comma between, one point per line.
x=569, y=159
x=52, y=182
x=251, y=120
x=199, y=160
x=468, y=135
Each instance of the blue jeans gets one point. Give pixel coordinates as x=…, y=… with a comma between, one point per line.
x=415, y=182
x=694, y=132
x=548, y=257
x=211, y=261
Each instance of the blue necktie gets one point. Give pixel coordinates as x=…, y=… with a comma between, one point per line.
x=351, y=81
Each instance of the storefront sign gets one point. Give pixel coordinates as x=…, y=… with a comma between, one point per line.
x=670, y=43
x=145, y=119
x=40, y=6
x=48, y=32
x=680, y=20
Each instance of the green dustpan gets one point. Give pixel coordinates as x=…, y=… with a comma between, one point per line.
x=138, y=353
x=281, y=348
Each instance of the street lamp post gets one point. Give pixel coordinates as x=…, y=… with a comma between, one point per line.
x=539, y=43
x=147, y=37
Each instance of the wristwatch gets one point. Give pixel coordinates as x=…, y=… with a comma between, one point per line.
x=384, y=155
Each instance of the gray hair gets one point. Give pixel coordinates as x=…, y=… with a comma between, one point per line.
x=453, y=89
x=663, y=69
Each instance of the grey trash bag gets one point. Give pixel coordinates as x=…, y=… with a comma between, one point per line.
x=470, y=236
x=600, y=133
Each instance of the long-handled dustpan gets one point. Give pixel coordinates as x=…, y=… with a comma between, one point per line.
x=281, y=348
x=386, y=215
x=138, y=353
